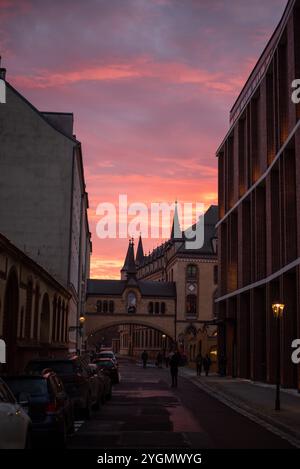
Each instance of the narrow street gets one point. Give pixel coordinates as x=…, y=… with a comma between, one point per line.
x=145, y=412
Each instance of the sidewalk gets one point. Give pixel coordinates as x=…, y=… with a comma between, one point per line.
x=255, y=401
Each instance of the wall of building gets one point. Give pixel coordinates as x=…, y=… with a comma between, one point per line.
x=35, y=322
x=43, y=203
x=259, y=233
x=35, y=185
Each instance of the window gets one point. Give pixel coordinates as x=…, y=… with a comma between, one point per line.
x=131, y=302
x=192, y=271
x=54, y=318
x=105, y=306
x=111, y=306
x=215, y=274
x=150, y=307
x=156, y=308
x=28, y=309
x=99, y=306
x=191, y=305
x=163, y=308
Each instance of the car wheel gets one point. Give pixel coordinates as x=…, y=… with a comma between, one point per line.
x=88, y=408
x=28, y=442
x=62, y=437
x=109, y=395
x=71, y=429
x=98, y=403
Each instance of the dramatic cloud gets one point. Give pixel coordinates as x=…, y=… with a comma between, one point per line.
x=150, y=82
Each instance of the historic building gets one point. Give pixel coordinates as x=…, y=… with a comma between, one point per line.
x=130, y=301
x=134, y=339
x=34, y=309
x=43, y=200
x=259, y=211
x=194, y=271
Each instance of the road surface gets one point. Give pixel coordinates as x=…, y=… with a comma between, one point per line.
x=145, y=412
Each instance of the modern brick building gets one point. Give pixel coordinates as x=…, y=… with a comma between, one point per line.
x=259, y=212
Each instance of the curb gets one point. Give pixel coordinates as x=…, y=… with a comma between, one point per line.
x=279, y=429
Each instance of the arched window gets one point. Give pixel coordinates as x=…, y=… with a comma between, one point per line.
x=191, y=305
x=150, y=307
x=67, y=325
x=192, y=272
x=99, y=306
x=62, y=327
x=28, y=309
x=215, y=274
x=156, y=308
x=163, y=307
x=111, y=306
x=58, y=321
x=36, y=311
x=54, y=321
x=105, y=306
x=45, y=320
x=131, y=302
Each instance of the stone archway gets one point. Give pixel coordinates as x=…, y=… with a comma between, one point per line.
x=45, y=320
x=10, y=324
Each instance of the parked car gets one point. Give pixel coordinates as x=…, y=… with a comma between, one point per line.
x=105, y=354
x=106, y=384
x=79, y=381
x=47, y=404
x=15, y=424
x=108, y=367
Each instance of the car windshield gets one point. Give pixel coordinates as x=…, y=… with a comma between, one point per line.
x=105, y=364
x=60, y=367
x=30, y=387
x=107, y=355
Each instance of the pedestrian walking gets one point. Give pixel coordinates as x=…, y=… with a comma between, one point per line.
x=167, y=360
x=174, y=364
x=222, y=365
x=206, y=364
x=199, y=364
x=159, y=360
x=144, y=358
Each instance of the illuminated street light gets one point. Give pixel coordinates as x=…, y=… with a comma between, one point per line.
x=278, y=310
x=81, y=320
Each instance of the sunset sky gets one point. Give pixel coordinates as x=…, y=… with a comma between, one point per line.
x=150, y=83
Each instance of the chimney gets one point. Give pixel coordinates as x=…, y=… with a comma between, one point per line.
x=2, y=71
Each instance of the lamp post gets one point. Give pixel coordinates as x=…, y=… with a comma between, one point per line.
x=164, y=343
x=278, y=309
x=78, y=329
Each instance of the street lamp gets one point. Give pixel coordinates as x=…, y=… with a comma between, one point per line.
x=82, y=320
x=164, y=345
x=278, y=309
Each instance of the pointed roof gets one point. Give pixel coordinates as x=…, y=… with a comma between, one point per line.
x=140, y=252
x=176, y=232
x=129, y=264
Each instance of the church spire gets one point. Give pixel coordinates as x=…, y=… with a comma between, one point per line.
x=140, y=252
x=176, y=232
x=129, y=267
